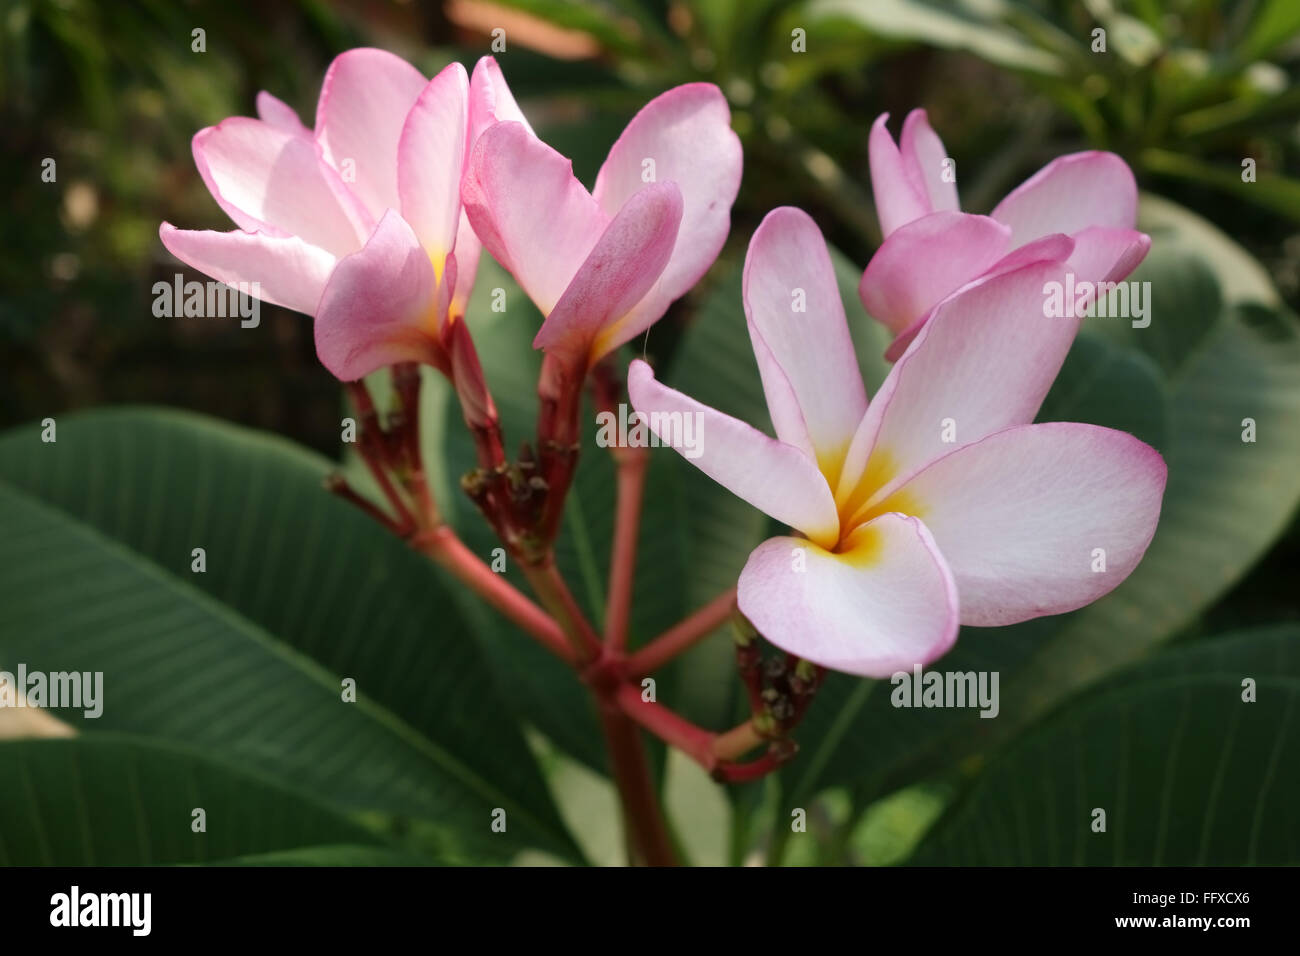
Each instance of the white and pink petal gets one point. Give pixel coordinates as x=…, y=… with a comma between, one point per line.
x=930, y=164
x=984, y=361
x=1053, y=248
x=363, y=105
x=883, y=603
x=530, y=212
x=682, y=136
x=430, y=161
x=801, y=337
x=288, y=272
x=1069, y=194
x=382, y=305
x=275, y=182
x=275, y=112
x=468, y=251
x=1039, y=519
x=900, y=197
x=925, y=261
x=1105, y=254
x=593, y=315
x=490, y=101
x=776, y=478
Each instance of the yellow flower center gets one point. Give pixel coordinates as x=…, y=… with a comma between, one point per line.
x=857, y=543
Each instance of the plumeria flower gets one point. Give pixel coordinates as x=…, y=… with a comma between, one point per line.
x=359, y=222
x=602, y=266
x=1081, y=208
x=938, y=503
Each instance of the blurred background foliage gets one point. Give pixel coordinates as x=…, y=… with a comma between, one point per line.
x=1185, y=90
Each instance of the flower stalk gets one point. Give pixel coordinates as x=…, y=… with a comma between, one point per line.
x=682, y=636
x=448, y=551
x=632, y=464
x=523, y=501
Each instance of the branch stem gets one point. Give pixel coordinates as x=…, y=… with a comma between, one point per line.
x=443, y=546
x=667, y=725
x=643, y=819
x=550, y=587
x=682, y=636
x=632, y=464
x=737, y=742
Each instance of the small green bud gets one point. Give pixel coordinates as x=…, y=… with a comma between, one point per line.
x=744, y=632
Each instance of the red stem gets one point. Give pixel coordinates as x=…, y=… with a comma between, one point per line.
x=442, y=545
x=632, y=464
x=716, y=753
x=559, y=391
x=406, y=380
x=737, y=741
x=648, y=841
x=374, y=453
x=559, y=601
x=647, y=833
x=338, y=485
x=755, y=769
x=681, y=637
x=672, y=728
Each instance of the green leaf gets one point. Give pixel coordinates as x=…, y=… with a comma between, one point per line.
x=1103, y=384
x=246, y=659
x=917, y=21
x=117, y=801
x=1273, y=650
x=1226, y=501
x=1276, y=22
x=1187, y=772
x=344, y=854
x=1274, y=192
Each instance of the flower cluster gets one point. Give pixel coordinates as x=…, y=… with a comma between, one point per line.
x=936, y=503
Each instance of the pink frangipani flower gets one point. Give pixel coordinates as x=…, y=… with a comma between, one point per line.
x=604, y=265
x=1081, y=208
x=938, y=503
x=358, y=222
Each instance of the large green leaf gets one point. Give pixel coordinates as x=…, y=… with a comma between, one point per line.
x=1215, y=361
x=1103, y=384
x=117, y=801
x=1187, y=772
x=300, y=591
x=1273, y=650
